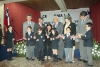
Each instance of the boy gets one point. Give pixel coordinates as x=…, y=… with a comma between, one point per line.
x=68, y=45
x=30, y=44
x=88, y=43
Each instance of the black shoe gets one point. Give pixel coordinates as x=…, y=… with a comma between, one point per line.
x=59, y=59
x=88, y=65
x=80, y=60
x=85, y=61
x=26, y=57
x=33, y=59
x=11, y=59
x=70, y=62
x=66, y=62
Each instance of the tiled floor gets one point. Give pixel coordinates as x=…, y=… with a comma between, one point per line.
x=22, y=62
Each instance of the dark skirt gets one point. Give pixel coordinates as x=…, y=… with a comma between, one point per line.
x=9, y=44
x=54, y=45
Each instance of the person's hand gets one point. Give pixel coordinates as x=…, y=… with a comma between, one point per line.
x=63, y=37
x=24, y=38
x=13, y=39
x=34, y=37
x=50, y=38
x=37, y=40
x=28, y=38
x=79, y=35
x=43, y=40
x=47, y=36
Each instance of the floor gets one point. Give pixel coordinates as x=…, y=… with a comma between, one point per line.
x=22, y=62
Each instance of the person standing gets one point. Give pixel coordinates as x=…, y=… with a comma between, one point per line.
x=25, y=25
x=47, y=50
x=72, y=26
x=81, y=30
x=36, y=27
x=59, y=28
x=30, y=43
x=9, y=42
x=88, y=43
x=54, y=38
x=1, y=35
x=40, y=39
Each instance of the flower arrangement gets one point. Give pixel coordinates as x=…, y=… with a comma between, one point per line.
x=20, y=48
x=96, y=50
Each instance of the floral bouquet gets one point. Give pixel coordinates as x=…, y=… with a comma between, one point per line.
x=96, y=50
x=20, y=48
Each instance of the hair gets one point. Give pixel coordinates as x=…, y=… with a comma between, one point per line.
x=9, y=26
x=41, y=18
x=39, y=29
x=83, y=13
x=48, y=25
x=0, y=26
x=89, y=24
x=29, y=27
x=29, y=15
x=68, y=28
x=55, y=17
x=68, y=17
x=56, y=33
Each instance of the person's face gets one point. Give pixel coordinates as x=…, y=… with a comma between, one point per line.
x=55, y=20
x=28, y=29
x=48, y=27
x=67, y=21
x=29, y=18
x=68, y=30
x=82, y=17
x=86, y=27
x=10, y=28
x=40, y=21
x=40, y=31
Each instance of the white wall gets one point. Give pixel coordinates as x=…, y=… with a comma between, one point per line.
x=74, y=13
x=2, y=15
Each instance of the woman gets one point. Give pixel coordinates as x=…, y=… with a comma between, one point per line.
x=0, y=35
x=47, y=49
x=72, y=26
x=9, y=42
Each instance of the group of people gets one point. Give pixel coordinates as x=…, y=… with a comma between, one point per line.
x=56, y=39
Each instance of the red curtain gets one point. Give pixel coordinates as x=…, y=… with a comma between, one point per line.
x=95, y=16
x=17, y=13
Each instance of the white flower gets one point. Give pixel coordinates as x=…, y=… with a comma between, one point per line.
x=96, y=46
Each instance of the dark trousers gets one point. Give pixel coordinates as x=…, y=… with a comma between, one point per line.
x=47, y=52
x=41, y=54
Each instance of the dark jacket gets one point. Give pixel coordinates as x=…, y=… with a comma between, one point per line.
x=36, y=26
x=1, y=35
x=9, y=36
x=73, y=30
x=68, y=42
x=40, y=43
x=31, y=41
x=88, y=39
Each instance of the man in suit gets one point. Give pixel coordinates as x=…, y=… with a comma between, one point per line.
x=26, y=24
x=59, y=27
x=81, y=29
x=36, y=27
x=88, y=43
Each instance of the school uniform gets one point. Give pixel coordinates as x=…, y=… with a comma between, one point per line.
x=47, y=50
x=88, y=44
x=54, y=43
x=40, y=45
x=68, y=45
x=9, y=43
x=30, y=45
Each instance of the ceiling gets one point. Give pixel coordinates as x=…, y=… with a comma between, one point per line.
x=47, y=5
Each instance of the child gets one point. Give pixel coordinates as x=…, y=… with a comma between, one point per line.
x=30, y=43
x=68, y=45
x=9, y=42
x=88, y=43
x=40, y=38
x=54, y=43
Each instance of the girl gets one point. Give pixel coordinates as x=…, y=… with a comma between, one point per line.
x=47, y=42
x=9, y=42
x=40, y=44
x=30, y=43
x=54, y=43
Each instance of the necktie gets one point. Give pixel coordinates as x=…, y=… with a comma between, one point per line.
x=82, y=22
